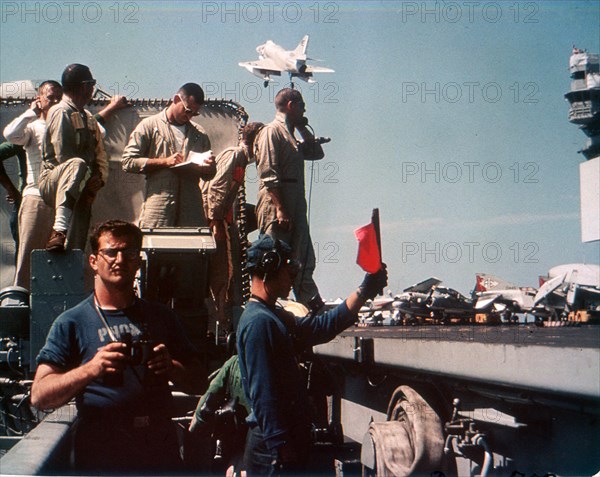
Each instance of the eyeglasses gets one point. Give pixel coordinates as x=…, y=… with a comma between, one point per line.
x=92, y=82
x=128, y=253
x=187, y=110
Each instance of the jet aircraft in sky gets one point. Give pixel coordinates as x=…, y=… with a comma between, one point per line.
x=274, y=60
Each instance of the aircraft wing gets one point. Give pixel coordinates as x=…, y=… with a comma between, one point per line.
x=424, y=286
x=483, y=303
x=265, y=66
x=380, y=303
x=317, y=69
x=548, y=288
x=590, y=291
x=580, y=273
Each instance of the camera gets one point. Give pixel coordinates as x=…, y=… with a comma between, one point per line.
x=139, y=352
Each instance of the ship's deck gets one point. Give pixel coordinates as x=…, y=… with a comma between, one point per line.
x=584, y=336
x=557, y=360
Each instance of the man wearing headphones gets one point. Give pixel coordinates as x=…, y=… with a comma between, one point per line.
x=268, y=342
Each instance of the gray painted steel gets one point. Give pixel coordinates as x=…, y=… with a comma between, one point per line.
x=573, y=371
x=57, y=284
x=45, y=448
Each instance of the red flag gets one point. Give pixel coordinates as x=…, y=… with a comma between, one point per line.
x=369, y=255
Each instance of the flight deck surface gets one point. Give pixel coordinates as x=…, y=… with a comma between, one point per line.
x=584, y=336
x=564, y=360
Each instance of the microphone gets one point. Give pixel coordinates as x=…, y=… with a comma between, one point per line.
x=322, y=140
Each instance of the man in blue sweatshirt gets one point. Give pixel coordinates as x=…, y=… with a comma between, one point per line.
x=268, y=343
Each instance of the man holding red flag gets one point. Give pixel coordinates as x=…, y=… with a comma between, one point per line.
x=269, y=341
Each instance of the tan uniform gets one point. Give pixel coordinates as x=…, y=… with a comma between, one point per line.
x=221, y=195
x=73, y=151
x=281, y=166
x=35, y=217
x=172, y=197
x=223, y=188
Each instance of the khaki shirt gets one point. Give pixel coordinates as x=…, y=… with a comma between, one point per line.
x=72, y=133
x=152, y=138
x=280, y=165
x=172, y=197
x=222, y=190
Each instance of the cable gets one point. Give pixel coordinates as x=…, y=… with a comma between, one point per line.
x=112, y=336
x=308, y=204
x=103, y=319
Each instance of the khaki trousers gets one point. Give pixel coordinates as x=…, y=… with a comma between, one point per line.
x=35, y=226
x=62, y=186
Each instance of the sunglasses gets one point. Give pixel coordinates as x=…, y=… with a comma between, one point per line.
x=187, y=110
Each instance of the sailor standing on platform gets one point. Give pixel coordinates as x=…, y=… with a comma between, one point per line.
x=13, y=194
x=172, y=197
x=35, y=216
x=221, y=194
x=281, y=210
x=75, y=165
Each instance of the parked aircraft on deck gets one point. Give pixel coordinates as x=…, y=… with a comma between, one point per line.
x=573, y=287
x=494, y=295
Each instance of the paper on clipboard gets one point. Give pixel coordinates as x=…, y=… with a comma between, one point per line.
x=198, y=158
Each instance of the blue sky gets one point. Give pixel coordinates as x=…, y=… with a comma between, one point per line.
x=447, y=116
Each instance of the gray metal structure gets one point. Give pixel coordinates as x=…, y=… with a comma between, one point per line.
x=533, y=392
x=57, y=284
x=46, y=449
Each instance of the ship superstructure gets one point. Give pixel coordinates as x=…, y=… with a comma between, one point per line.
x=584, y=99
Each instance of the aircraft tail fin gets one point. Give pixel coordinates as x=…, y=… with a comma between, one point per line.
x=302, y=46
x=487, y=282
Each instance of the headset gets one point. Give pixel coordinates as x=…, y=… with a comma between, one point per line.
x=271, y=260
